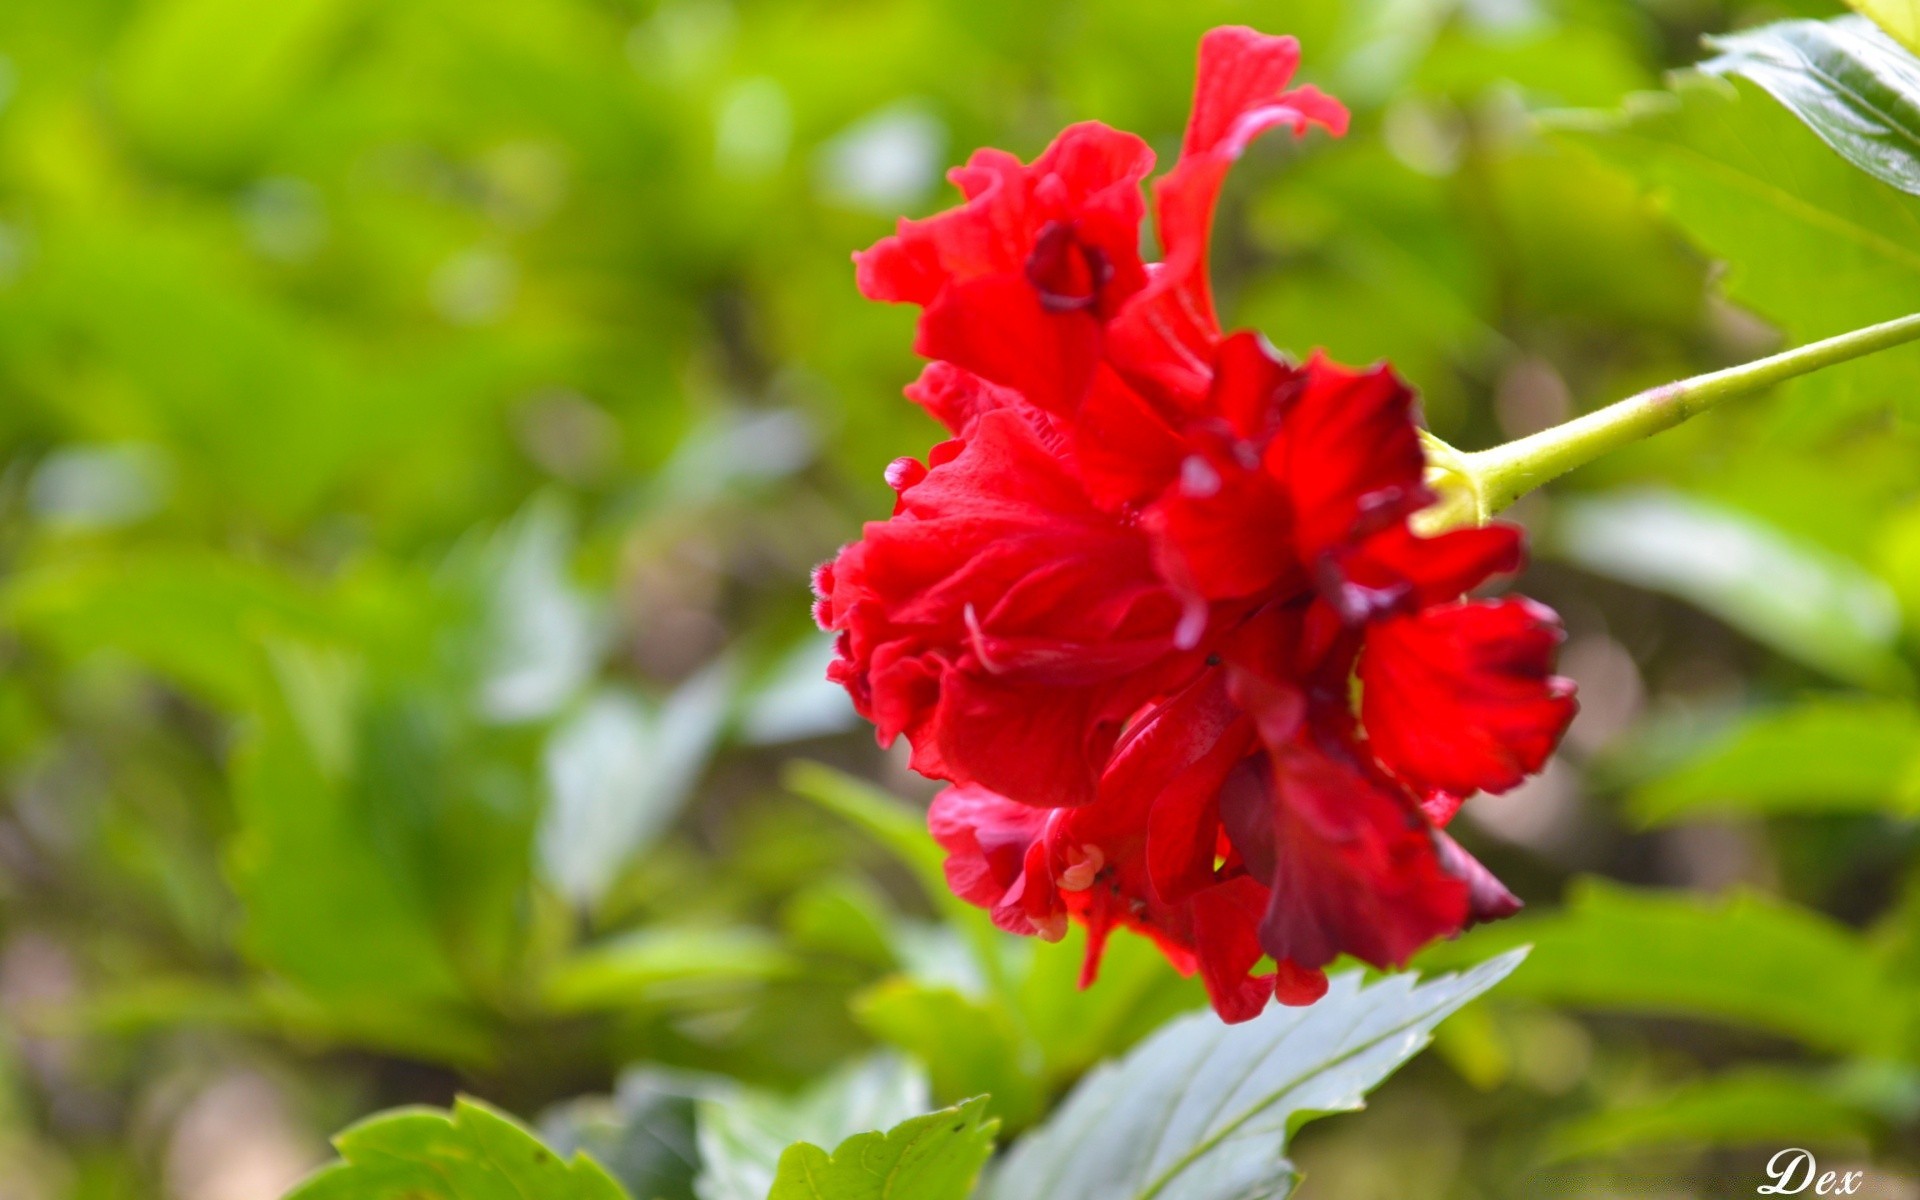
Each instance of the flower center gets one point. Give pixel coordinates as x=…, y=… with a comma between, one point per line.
x=1068, y=273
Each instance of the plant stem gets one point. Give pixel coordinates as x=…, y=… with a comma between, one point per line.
x=1499, y=476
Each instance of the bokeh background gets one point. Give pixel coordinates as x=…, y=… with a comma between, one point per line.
x=418, y=419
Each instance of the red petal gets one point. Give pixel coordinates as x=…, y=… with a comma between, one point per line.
x=1487, y=898
x=1167, y=334
x=1225, y=923
x=997, y=327
x=1043, y=746
x=955, y=397
x=1298, y=986
x=1222, y=530
x=1127, y=451
x=1424, y=571
x=1349, y=456
x=1462, y=697
x=1252, y=386
x=1354, y=865
x=1089, y=176
x=989, y=842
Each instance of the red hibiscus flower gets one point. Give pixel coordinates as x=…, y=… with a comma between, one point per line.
x=1156, y=609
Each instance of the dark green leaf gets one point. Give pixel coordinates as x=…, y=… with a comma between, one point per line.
x=1757, y=1106
x=1745, y=959
x=1827, y=755
x=1801, y=600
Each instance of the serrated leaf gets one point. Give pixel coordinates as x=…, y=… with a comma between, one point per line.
x=1823, y=755
x=743, y=1135
x=931, y=1157
x=472, y=1153
x=1203, y=1111
x=1851, y=84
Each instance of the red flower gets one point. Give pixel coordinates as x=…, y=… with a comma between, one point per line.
x=1127, y=608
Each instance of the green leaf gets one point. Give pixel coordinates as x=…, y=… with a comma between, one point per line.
x=888, y=821
x=1203, y=1111
x=1752, y=186
x=1823, y=755
x=1744, y=959
x=474, y=1153
x=203, y=80
x=618, y=773
x=647, y=965
x=1803, y=601
x=193, y=618
x=330, y=905
x=1852, y=84
x=1755, y=1106
x=968, y=1046
x=643, y=1134
x=931, y=1157
x=744, y=1136
x=904, y=834
x=1901, y=18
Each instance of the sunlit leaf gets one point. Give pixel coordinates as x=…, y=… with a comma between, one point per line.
x=472, y=1153
x=1753, y=187
x=744, y=1136
x=618, y=773
x=931, y=1157
x=652, y=964
x=1852, y=84
x=1203, y=1110
x=545, y=635
x=1901, y=18
x=969, y=1046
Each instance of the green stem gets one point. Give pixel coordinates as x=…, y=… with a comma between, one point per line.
x=1497, y=477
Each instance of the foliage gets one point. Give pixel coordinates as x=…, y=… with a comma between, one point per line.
x=473, y=1152
x=417, y=421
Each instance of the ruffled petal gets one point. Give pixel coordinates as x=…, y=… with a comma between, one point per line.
x=1349, y=456
x=1399, y=570
x=1462, y=697
x=955, y=397
x=1353, y=865
x=1168, y=333
x=1126, y=449
x=1090, y=171
x=990, y=843
x=1222, y=529
x=1226, y=920
x=1000, y=328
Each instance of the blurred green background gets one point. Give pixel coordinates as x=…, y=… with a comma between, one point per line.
x=417, y=421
